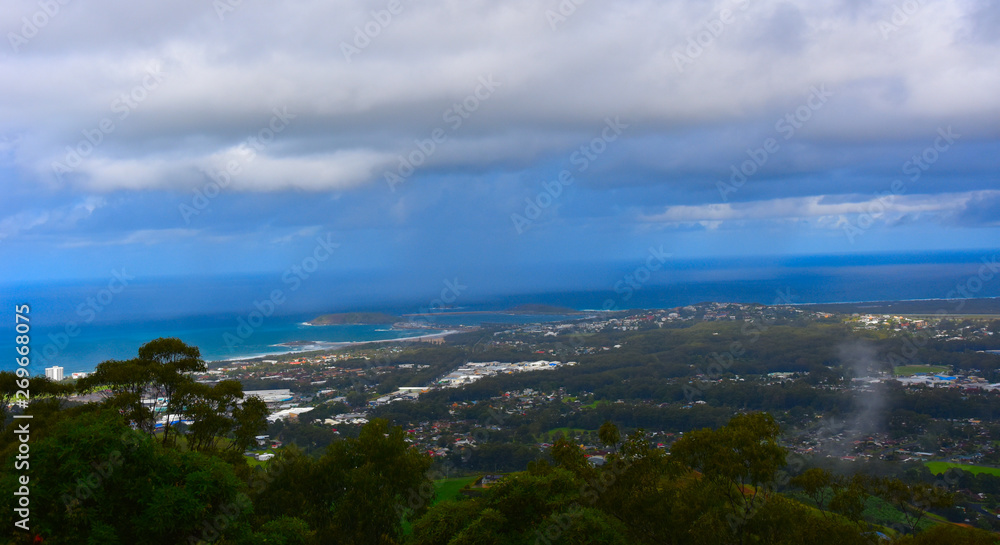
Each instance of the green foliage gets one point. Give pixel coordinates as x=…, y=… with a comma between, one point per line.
x=95, y=480
x=126, y=381
x=220, y=411
x=355, y=493
x=609, y=434
x=444, y=521
x=539, y=506
x=913, y=501
x=938, y=468
x=37, y=387
x=160, y=371
x=847, y=497
x=282, y=531
x=742, y=458
x=355, y=318
x=782, y=521
x=951, y=535
x=449, y=489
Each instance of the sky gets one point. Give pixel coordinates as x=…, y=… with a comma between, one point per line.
x=504, y=139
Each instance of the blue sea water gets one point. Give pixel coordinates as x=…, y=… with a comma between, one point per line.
x=78, y=325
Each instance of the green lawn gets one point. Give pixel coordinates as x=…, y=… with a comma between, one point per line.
x=884, y=514
x=907, y=370
x=444, y=490
x=447, y=489
x=938, y=468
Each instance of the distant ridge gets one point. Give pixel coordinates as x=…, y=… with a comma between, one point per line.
x=354, y=318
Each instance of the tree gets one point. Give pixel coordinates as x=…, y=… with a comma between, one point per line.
x=125, y=382
x=170, y=361
x=609, y=434
x=11, y=383
x=742, y=458
x=95, y=480
x=840, y=495
x=249, y=419
x=356, y=492
x=211, y=408
x=952, y=535
x=161, y=371
x=356, y=399
x=282, y=531
x=913, y=501
x=542, y=505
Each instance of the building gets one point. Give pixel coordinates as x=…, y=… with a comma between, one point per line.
x=54, y=373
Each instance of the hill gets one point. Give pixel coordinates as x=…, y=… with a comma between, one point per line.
x=354, y=318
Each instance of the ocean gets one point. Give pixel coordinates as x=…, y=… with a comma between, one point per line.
x=78, y=325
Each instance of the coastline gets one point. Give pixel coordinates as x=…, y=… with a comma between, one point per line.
x=326, y=346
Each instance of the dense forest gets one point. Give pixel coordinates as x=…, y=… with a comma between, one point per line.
x=103, y=472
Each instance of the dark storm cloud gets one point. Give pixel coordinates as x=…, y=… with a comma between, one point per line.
x=116, y=113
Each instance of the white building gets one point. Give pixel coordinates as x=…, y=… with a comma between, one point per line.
x=54, y=373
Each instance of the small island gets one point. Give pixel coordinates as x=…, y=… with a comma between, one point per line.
x=354, y=318
x=541, y=309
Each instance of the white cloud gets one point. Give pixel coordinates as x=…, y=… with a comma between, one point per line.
x=232, y=169
x=146, y=237
x=61, y=217
x=222, y=77
x=825, y=210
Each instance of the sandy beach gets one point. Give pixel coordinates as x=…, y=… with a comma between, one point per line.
x=315, y=346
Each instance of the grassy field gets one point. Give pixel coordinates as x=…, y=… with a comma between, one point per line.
x=444, y=490
x=907, y=370
x=938, y=468
x=447, y=489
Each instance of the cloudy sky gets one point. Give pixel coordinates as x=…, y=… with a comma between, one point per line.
x=198, y=137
